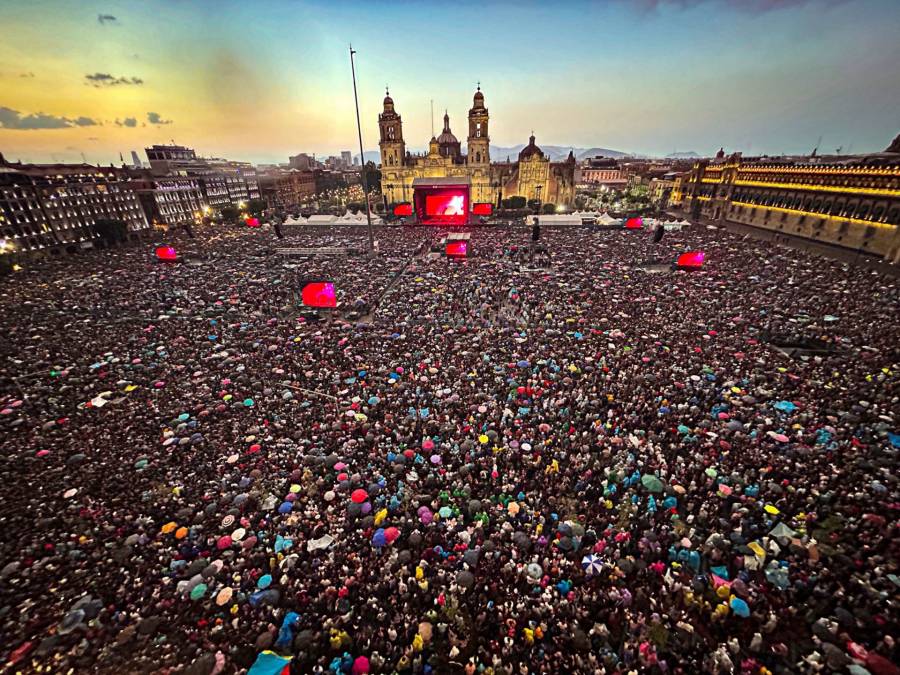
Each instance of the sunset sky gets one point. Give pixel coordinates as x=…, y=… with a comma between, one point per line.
x=261, y=80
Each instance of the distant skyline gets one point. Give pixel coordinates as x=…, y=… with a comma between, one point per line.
x=264, y=80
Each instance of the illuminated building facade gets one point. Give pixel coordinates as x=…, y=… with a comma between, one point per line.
x=533, y=176
x=53, y=207
x=855, y=204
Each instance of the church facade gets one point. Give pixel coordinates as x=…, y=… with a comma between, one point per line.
x=533, y=176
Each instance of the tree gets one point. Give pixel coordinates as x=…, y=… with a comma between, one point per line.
x=111, y=231
x=373, y=177
x=255, y=207
x=548, y=209
x=230, y=214
x=515, y=202
x=356, y=207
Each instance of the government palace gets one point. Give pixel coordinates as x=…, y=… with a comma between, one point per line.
x=533, y=176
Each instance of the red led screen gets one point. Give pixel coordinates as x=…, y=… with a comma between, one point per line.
x=442, y=205
x=319, y=294
x=693, y=259
x=404, y=209
x=166, y=253
x=483, y=209
x=457, y=249
x=634, y=223
x=252, y=222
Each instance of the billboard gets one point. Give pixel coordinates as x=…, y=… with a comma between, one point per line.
x=691, y=260
x=483, y=209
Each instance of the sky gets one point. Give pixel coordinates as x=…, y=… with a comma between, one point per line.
x=262, y=80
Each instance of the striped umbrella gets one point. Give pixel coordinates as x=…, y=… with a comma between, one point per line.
x=591, y=564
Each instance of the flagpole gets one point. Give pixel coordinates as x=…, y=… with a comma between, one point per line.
x=362, y=157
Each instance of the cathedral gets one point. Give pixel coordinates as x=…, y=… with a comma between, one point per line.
x=533, y=176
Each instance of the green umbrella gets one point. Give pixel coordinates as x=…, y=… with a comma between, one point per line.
x=198, y=591
x=711, y=472
x=652, y=483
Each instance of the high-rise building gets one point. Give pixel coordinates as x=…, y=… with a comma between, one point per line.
x=346, y=158
x=302, y=162
x=56, y=206
x=136, y=161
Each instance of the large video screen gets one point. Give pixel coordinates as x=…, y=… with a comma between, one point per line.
x=634, y=223
x=445, y=205
x=483, y=209
x=442, y=205
x=319, y=294
x=404, y=209
x=691, y=259
x=457, y=249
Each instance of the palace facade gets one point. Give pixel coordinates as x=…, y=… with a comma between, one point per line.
x=533, y=176
x=854, y=204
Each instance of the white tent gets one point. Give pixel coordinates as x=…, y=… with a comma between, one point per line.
x=606, y=219
x=321, y=219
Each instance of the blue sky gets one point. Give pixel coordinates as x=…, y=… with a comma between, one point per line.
x=266, y=79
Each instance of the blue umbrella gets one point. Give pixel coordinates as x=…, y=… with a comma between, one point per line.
x=740, y=607
x=378, y=539
x=285, y=507
x=591, y=564
x=523, y=364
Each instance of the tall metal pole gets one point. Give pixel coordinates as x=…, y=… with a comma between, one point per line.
x=362, y=157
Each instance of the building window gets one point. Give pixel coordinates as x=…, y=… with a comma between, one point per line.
x=478, y=131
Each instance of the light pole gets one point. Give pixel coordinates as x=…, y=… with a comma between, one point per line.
x=362, y=157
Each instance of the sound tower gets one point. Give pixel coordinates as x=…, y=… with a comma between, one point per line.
x=658, y=235
x=278, y=231
x=536, y=230
x=188, y=231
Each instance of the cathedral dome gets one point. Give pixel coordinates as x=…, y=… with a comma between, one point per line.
x=447, y=136
x=530, y=149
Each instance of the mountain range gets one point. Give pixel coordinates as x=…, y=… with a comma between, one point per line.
x=557, y=153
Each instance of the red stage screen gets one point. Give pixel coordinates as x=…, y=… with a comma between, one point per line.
x=692, y=259
x=404, y=209
x=319, y=294
x=252, y=222
x=166, y=253
x=457, y=249
x=442, y=205
x=483, y=209
x=634, y=223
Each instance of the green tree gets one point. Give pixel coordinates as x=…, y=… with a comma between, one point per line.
x=373, y=177
x=111, y=231
x=230, y=214
x=255, y=207
x=516, y=202
x=548, y=209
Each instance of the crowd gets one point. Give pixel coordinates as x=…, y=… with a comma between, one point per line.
x=594, y=468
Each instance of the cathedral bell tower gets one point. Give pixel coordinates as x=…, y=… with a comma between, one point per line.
x=478, y=140
x=393, y=149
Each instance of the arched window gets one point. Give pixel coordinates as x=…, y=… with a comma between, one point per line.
x=478, y=157
x=478, y=130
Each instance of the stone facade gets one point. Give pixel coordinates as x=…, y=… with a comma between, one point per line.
x=855, y=204
x=534, y=176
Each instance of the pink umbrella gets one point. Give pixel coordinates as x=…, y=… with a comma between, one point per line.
x=340, y=466
x=428, y=444
x=391, y=534
x=223, y=542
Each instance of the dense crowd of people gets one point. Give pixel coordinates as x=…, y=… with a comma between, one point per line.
x=599, y=467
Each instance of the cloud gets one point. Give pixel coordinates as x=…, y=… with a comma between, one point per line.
x=104, y=19
x=106, y=80
x=751, y=6
x=13, y=119
x=29, y=74
x=93, y=138
x=127, y=122
x=155, y=118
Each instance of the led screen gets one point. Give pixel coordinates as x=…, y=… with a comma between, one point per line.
x=445, y=205
x=634, y=223
x=252, y=222
x=693, y=259
x=319, y=294
x=404, y=209
x=442, y=205
x=457, y=249
x=166, y=253
x=483, y=209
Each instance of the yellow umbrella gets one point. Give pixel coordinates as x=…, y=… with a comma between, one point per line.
x=169, y=527
x=483, y=439
x=771, y=509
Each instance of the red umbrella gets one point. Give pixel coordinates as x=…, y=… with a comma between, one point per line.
x=224, y=542
x=359, y=496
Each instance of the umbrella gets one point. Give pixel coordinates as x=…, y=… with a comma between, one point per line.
x=782, y=530
x=224, y=596
x=358, y=496
x=651, y=482
x=465, y=579
x=198, y=591
x=264, y=581
x=534, y=570
x=591, y=564
x=740, y=607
